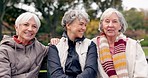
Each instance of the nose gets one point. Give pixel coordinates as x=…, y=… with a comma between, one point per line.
x=30, y=28
x=110, y=24
x=84, y=27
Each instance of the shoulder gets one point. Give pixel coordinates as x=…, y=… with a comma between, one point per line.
x=132, y=41
x=6, y=50
x=90, y=43
x=38, y=44
x=52, y=47
x=6, y=47
x=95, y=39
x=86, y=42
x=52, y=50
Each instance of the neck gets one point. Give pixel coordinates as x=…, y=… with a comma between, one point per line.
x=24, y=42
x=111, y=40
x=70, y=36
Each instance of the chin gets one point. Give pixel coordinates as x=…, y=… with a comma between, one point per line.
x=29, y=38
x=80, y=36
x=110, y=35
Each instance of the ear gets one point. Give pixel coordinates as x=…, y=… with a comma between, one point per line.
x=16, y=27
x=67, y=26
x=121, y=27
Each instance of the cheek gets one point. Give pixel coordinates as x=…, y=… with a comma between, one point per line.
x=35, y=31
x=118, y=27
x=18, y=30
x=104, y=28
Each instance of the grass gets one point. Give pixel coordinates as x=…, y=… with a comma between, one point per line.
x=146, y=51
x=43, y=71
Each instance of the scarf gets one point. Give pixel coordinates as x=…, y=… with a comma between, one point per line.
x=114, y=64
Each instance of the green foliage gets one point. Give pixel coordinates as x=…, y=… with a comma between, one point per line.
x=134, y=18
x=3, y=9
x=92, y=29
x=145, y=42
x=146, y=51
x=53, y=11
x=10, y=16
x=43, y=38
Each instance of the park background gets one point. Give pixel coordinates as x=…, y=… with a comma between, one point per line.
x=50, y=13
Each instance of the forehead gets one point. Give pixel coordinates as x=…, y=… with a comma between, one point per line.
x=81, y=20
x=111, y=16
x=31, y=20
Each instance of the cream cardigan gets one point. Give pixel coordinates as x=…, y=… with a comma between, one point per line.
x=136, y=61
x=81, y=49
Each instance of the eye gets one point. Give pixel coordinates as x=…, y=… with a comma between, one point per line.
x=107, y=21
x=81, y=24
x=34, y=26
x=25, y=24
x=115, y=21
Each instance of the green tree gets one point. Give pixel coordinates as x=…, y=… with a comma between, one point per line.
x=92, y=29
x=3, y=8
x=53, y=10
x=134, y=18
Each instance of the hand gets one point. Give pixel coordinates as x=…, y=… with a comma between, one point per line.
x=113, y=76
x=54, y=41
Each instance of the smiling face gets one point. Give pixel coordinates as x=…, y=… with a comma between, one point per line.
x=27, y=30
x=76, y=29
x=111, y=25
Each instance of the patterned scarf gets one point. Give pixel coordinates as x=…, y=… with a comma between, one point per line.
x=113, y=63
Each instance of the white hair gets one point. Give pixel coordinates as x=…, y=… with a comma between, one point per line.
x=24, y=17
x=71, y=15
x=122, y=20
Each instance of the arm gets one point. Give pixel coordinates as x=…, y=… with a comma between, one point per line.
x=54, y=66
x=5, y=69
x=91, y=67
x=141, y=66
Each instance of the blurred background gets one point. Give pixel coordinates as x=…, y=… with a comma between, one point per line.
x=50, y=13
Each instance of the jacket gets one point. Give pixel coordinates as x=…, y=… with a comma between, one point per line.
x=136, y=61
x=87, y=52
x=19, y=61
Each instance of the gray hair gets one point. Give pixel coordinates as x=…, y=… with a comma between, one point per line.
x=24, y=17
x=71, y=15
x=122, y=20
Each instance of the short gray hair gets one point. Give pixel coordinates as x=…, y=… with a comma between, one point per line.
x=24, y=17
x=71, y=15
x=122, y=20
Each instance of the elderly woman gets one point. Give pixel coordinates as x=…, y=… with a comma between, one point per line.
x=74, y=56
x=22, y=54
x=118, y=55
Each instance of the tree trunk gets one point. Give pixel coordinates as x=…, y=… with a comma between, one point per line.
x=0, y=30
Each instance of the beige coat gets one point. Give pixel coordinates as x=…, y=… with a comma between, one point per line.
x=137, y=64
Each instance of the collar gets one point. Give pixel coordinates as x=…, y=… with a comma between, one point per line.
x=76, y=40
x=15, y=37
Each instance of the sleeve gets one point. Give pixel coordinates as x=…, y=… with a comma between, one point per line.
x=91, y=67
x=54, y=66
x=45, y=48
x=141, y=66
x=5, y=69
